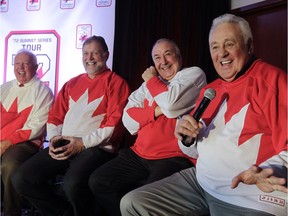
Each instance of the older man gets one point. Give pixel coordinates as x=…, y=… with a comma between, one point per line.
x=25, y=103
x=87, y=114
x=151, y=113
x=241, y=148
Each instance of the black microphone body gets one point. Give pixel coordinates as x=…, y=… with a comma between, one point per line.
x=209, y=95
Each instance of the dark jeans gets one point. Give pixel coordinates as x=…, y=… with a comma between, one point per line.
x=10, y=161
x=125, y=172
x=33, y=177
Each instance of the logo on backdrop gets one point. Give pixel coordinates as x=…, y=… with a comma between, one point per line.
x=103, y=3
x=44, y=44
x=82, y=33
x=33, y=5
x=4, y=5
x=67, y=4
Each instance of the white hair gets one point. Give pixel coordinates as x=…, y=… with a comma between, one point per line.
x=243, y=24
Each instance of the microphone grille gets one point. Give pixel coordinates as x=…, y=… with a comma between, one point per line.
x=210, y=93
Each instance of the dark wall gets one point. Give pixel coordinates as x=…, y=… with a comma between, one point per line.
x=139, y=23
x=268, y=21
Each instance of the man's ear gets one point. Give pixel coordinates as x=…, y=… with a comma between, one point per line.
x=106, y=55
x=35, y=68
x=250, y=46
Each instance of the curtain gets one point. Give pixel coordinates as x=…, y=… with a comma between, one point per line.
x=139, y=23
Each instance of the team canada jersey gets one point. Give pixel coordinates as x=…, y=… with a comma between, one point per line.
x=91, y=109
x=24, y=111
x=156, y=138
x=246, y=125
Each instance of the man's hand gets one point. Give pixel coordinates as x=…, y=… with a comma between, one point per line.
x=64, y=152
x=262, y=178
x=187, y=125
x=5, y=144
x=149, y=73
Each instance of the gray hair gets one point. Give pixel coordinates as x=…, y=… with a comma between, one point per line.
x=175, y=46
x=98, y=39
x=243, y=24
x=30, y=53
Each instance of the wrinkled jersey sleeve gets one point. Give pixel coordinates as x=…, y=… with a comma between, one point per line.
x=178, y=96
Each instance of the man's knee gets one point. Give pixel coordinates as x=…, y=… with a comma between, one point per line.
x=129, y=201
x=72, y=187
x=96, y=184
x=8, y=168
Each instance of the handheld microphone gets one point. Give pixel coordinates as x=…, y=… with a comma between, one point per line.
x=209, y=95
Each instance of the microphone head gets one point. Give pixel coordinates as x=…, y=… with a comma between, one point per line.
x=210, y=93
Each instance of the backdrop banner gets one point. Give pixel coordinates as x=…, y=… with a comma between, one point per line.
x=54, y=31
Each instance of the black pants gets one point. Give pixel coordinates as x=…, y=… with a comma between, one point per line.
x=33, y=177
x=124, y=173
x=10, y=161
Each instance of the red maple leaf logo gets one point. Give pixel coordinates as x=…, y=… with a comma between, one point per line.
x=12, y=120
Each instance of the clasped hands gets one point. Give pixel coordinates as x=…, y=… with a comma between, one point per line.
x=64, y=152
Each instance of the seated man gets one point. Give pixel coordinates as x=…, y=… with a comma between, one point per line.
x=244, y=125
x=87, y=113
x=151, y=113
x=25, y=103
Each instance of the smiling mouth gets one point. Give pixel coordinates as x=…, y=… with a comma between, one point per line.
x=91, y=63
x=165, y=67
x=225, y=62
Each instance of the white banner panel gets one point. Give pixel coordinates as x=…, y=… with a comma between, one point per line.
x=54, y=31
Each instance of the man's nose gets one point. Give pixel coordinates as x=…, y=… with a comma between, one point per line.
x=223, y=52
